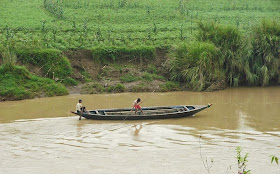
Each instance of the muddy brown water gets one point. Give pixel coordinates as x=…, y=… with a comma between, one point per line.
x=42, y=136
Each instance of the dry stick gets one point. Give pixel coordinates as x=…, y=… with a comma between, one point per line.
x=48, y=71
x=207, y=168
x=41, y=67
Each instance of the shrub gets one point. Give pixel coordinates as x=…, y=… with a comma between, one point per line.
x=265, y=58
x=69, y=81
x=232, y=51
x=150, y=77
x=169, y=86
x=195, y=64
x=116, y=88
x=52, y=62
x=16, y=83
x=92, y=88
x=129, y=78
x=142, y=87
x=119, y=88
x=152, y=69
x=9, y=58
x=147, y=77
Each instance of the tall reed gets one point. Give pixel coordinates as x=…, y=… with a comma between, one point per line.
x=265, y=58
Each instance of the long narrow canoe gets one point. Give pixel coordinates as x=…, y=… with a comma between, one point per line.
x=157, y=112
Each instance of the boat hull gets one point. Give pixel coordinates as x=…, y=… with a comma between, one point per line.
x=149, y=113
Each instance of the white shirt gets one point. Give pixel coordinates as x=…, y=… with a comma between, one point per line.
x=79, y=106
x=135, y=102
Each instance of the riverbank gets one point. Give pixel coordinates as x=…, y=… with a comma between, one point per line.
x=178, y=45
x=141, y=69
x=219, y=57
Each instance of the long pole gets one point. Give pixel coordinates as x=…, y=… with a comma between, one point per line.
x=142, y=101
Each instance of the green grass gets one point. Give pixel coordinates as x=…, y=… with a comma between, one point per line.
x=53, y=63
x=169, y=86
x=129, y=78
x=210, y=40
x=16, y=83
x=73, y=24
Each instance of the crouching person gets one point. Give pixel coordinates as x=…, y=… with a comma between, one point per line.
x=80, y=109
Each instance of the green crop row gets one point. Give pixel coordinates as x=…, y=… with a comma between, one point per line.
x=113, y=54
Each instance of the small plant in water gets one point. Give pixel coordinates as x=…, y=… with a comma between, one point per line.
x=274, y=158
x=242, y=162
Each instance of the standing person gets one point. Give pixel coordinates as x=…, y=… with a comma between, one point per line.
x=80, y=109
x=136, y=105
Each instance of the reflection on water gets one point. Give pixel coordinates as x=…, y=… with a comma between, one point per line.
x=41, y=136
x=137, y=129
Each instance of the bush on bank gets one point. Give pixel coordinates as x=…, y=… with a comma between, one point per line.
x=222, y=53
x=265, y=58
x=232, y=51
x=17, y=83
x=52, y=62
x=195, y=64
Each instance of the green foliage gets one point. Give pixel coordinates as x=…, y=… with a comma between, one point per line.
x=152, y=69
x=92, y=88
x=150, y=77
x=116, y=88
x=265, y=59
x=142, y=87
x=52, y=62
x=113, y=54
x=169, y=86
x=9, y=58
x=231, y=51
x=70, y=82
x=129, y=78
x=86, y=76
x=54, y=7
x=17, y=83
x=71, y=24
x=196, y=64
x=242, y=161
x=147, y=77
x=274, y=158
x=225, y=37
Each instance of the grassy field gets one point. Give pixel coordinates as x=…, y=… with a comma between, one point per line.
x=195, y=44
x=80, y=24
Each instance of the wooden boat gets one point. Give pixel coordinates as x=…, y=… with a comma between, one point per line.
x=157, y=112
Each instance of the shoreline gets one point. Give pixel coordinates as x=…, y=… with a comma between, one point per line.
x=126, y=92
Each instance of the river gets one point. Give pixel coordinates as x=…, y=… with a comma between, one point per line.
x=42, y=136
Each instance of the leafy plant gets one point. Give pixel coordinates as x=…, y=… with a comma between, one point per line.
x=274, y=158
x=129, y=78
x=9, y=58
x=231, y=51
x=169, y=86
x=17, y=83
x=196, y=64
x=265, y=59
x=242, y=161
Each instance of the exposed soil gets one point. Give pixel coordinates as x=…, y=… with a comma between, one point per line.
x=81, y=60
x=109, y=75
x=87, y=72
